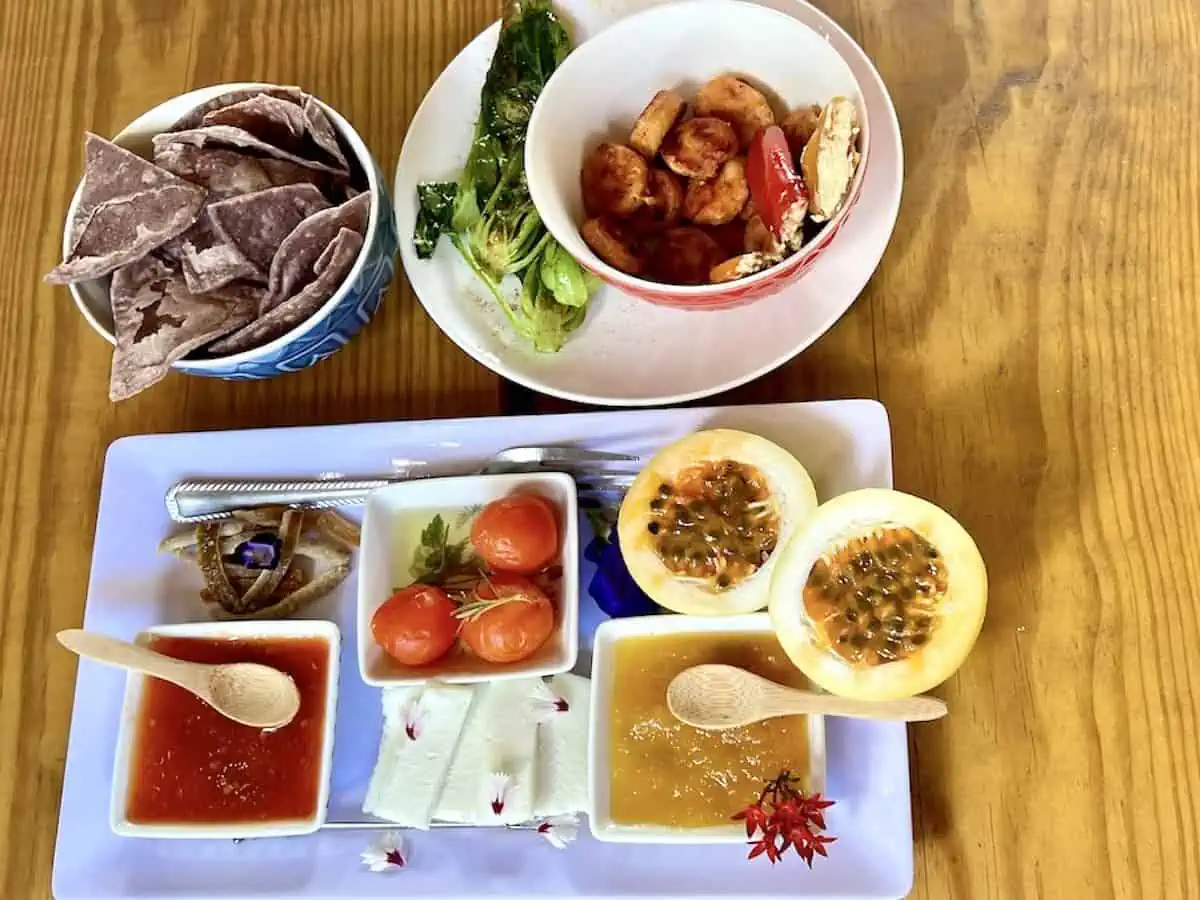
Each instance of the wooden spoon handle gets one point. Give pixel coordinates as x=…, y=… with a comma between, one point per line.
x=790, y=701
x=125, y=655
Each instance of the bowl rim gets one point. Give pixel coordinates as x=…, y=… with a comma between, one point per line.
x=613, y=631
x=453, y=487
x=124, y=755
x=693, y=296
x=197, y=97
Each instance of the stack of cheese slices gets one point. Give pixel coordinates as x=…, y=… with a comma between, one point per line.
x=497, y=753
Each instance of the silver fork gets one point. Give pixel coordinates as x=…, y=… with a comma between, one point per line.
x=599, y=475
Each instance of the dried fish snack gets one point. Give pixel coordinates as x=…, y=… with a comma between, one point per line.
x=267, y=563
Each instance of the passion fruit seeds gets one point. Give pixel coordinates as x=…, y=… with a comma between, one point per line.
x=876, y=597
x=717, y=522
x=704, y=523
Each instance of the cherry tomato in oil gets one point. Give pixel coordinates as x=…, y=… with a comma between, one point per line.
x=517, y=533
x=512, y=630
x=416, y=626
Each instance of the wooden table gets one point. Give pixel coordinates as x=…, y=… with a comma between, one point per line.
x=1032, y=331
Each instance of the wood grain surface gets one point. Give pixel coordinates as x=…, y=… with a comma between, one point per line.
x=1032, y=331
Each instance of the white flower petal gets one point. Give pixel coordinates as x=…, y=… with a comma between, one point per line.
x=386, y=852
x=559, y=830
x=546, y=704
x=497, y=787
x=414, y=718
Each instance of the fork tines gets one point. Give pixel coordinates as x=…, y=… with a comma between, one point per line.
x=599, y=474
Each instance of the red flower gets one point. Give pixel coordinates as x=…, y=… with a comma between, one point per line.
x=756, y=819
x=787, y=819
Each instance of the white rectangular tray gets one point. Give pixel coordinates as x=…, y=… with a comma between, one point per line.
x=844, y=444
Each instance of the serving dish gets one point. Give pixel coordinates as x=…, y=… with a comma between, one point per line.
x=630, y=353
x=132, y=587
x=605, y=641
x=387, y=541
x=680, y=46
x=126, y=760
x=317, y=337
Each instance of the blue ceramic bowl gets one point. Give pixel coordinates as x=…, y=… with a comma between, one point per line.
x=327, y=330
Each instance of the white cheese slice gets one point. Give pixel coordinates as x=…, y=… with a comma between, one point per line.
x=499, y=739
x=421, y=727
x=562, y=748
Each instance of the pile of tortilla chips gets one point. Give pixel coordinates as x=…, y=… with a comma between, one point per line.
x=267, y=563
x=247, y=221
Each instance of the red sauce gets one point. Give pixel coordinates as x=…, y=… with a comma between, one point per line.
x=191, y=764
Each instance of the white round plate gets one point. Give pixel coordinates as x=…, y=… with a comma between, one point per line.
x=629, y=352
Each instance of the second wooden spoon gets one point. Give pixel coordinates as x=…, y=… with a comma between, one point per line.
x=713, y=697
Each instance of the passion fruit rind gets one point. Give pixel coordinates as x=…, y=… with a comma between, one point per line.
x=880, y=596
x=701, y=525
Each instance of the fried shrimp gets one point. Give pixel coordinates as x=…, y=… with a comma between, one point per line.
x=720, y=199
x=614, y=180
x=699, y=147
x=614, y=243
x=684, y=256
x=663, y=203
x=744, y=107
x=658, y=118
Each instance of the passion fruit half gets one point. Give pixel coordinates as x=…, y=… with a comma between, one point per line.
x=880, y=596
x=702, y=524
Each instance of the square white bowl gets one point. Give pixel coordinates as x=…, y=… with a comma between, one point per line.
x=127, y=733
x=607, y=636
x=382, y=544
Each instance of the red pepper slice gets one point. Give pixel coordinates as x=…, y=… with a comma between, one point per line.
x=779, y=194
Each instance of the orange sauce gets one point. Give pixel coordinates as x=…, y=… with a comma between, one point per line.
x=663, y=772
x=191, y=764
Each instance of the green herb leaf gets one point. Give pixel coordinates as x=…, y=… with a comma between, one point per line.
x=435, y=201
x=435, y=555
x=466, y=514
x=563, y=277
x=492, y=220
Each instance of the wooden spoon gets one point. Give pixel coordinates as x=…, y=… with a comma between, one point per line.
x=249, y=693
x=713, y=697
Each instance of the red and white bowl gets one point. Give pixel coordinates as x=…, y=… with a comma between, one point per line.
x=601, y=88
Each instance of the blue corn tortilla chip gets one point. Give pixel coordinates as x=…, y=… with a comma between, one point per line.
x=111, y=172
x=258, y=223
x=226, y=173
x=157, y=321
x=283, y=172
x=122, y=230
x=294, y=263
x=210, y=262
x=342, y=253
x=270, y=119
x=195, y=118
x=232, y=136
x=223, y=173
x=322, y=133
